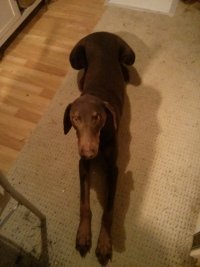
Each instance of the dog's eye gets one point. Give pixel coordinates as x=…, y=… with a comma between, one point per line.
x=95, y=117
x=76, y=119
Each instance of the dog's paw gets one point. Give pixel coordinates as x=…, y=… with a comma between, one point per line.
x=83, y=238
x=104, y=249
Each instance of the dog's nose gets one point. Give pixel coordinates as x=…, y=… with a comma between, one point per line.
x=88, y=153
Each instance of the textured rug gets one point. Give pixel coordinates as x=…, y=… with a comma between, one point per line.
x=158, y=194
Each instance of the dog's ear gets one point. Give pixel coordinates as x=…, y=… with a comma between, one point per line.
x=126, y=54
x=66, y=120
x=112, y=111
x=77, y=56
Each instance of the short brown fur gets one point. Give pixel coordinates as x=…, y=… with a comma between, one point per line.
x=95, y=115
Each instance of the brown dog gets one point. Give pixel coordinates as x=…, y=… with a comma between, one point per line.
x=95, y=116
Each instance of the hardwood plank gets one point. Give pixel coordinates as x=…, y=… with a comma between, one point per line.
x=8, y=109
x=18, y=102
x=28, y=98
x=10, y=141
x=7, y=157
x=7, y=84
x=46, y=68
x=19, y=135
x=28, y=115
x=31, y=76
x=15, y=123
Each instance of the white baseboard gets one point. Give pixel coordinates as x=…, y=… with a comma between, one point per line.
x=165, y=6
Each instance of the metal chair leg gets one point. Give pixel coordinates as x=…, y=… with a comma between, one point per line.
x=20, y=198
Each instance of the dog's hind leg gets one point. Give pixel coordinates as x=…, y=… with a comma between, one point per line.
x=83, y=239
x=125, y=73
x=77, y=56
x=126, y=54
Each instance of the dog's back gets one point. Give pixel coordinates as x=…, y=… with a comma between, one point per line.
x=102, y=55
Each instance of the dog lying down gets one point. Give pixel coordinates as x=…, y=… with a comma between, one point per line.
x=95, y=115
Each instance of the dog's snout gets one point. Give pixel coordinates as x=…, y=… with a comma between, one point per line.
x=88, y=149
x=88, y=153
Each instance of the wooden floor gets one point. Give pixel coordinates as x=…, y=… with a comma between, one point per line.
x=34, y=66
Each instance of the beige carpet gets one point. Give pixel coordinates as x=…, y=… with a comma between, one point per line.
x=158, y=196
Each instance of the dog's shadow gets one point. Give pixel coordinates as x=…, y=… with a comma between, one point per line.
x=137, y=136
x=137, y=139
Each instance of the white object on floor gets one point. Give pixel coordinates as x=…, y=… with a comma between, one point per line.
x=166, y=6
x=196, y=255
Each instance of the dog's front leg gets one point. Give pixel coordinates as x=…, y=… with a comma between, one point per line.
x=83, y=239
x=104, y=246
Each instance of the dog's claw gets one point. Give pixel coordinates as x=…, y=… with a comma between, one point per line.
x=83, y=249
x=104, y=253
x=104, y=258
x=83, y=241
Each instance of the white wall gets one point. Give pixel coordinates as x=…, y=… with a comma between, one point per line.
x=162, y=6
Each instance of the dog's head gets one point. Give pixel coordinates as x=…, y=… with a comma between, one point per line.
x=88, y=115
